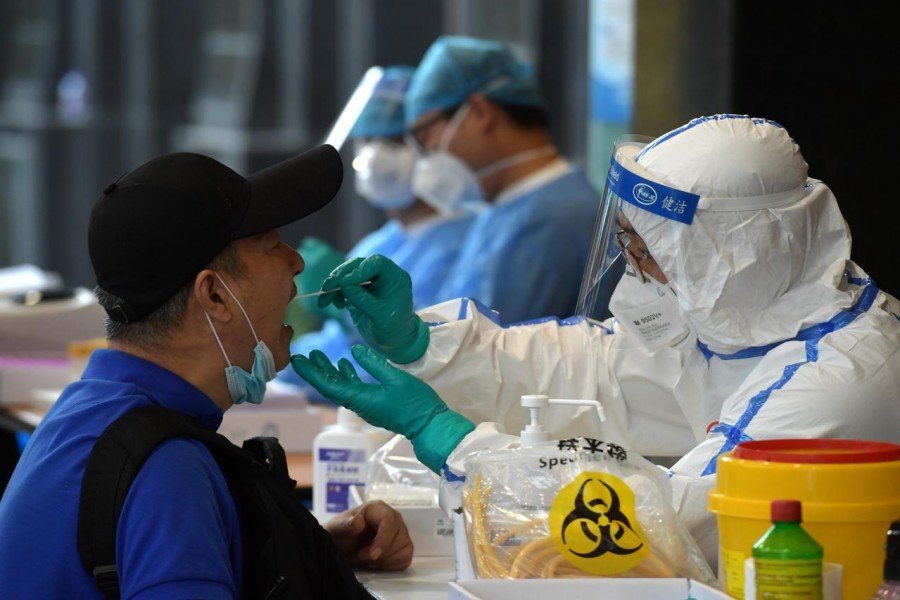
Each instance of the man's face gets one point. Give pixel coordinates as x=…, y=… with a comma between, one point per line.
x=269, y=266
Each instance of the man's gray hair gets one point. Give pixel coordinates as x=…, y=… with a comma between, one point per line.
x=157, y=327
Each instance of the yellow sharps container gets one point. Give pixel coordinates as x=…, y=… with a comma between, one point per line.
x=850, y=492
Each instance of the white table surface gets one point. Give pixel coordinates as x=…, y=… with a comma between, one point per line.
x=428, y=578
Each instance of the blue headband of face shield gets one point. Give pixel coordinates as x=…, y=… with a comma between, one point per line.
x=629, y=183
x=649, y=195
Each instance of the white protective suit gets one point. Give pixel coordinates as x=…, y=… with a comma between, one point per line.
x=795, y=341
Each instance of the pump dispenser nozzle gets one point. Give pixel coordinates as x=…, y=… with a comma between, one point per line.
x=534, y=432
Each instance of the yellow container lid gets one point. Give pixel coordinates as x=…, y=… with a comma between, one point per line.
x=837, y=480
x=818, y=451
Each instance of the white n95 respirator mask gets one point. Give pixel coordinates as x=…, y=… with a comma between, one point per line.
x=442, y=180
x=383, y=172
x=445, y=183
x=648, y=312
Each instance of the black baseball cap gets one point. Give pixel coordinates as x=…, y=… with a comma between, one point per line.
x=158, y=226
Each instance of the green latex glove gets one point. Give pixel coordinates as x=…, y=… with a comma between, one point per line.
x=320, y=259
x=399, y=402
x=382, y=310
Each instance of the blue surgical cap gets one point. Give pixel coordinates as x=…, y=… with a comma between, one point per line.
x=453, y=68
x=382, y=116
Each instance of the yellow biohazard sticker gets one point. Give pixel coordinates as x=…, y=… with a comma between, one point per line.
x=593, y=524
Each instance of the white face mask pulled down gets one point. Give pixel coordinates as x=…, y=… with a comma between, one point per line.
x=448, y=184
x=648, y=311
x=244, y=386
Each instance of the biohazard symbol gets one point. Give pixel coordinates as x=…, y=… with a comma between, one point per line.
x=611, y=522
x=593, y=524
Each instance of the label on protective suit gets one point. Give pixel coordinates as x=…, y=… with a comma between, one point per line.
x=657, y=324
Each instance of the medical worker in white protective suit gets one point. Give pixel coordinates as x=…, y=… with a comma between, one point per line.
x=421, y=237
x=769, y=330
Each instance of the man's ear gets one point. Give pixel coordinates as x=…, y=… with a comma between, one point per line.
x=209, y=293
x=484, y=113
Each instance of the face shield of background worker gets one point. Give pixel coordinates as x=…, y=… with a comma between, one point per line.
x=477, y=117
x=422, y=238
x=195, y=280
x=789, y=338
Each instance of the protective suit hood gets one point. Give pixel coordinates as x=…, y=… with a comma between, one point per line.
x=766, y=251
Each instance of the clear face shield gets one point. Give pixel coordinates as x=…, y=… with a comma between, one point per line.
x=343, y=124
x=608, y=259
x=622, y=279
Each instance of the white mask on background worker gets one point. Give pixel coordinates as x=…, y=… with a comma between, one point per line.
x=383, y=172
x=443, y=180
x=448, y=183
x=382, y=161
x=450, y=72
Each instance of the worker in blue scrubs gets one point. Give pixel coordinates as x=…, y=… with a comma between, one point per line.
x=421, y=237
x=481, y=125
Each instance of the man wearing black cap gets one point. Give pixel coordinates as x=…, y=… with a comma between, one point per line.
x=195, y=281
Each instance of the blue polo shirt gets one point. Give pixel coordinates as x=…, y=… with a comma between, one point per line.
x=179, y=534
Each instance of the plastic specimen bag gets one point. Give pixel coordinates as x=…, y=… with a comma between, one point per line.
x=398, y=478
x=574, y=508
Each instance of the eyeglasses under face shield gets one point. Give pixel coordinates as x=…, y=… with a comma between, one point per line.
x=618, y=249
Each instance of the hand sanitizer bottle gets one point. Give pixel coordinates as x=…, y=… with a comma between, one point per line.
x=340, y=460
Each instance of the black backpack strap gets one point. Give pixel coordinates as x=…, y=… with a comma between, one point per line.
x=118, y=455
x=268, y=451
x=287, y=554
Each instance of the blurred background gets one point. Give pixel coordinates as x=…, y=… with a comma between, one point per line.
x=91, y=88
